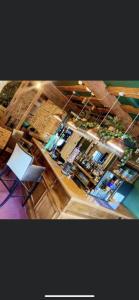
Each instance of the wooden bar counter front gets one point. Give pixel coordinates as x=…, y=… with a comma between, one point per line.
x=58, y=197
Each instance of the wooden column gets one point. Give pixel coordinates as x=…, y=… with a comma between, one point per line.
x=52, y=92
x=15, y=102
x=37, y=95
x=22, y=103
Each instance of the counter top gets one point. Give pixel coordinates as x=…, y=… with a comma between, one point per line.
x=68, y=184
x=73, y=191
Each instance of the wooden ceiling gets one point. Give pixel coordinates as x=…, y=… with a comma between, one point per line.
x=129, y=103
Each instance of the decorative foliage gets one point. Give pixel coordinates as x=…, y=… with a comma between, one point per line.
x=127, y=155
x=85, y=124
x=8, y=92
x=114, y=122
x=106, y=134
x=112, y=128
x=129, y=141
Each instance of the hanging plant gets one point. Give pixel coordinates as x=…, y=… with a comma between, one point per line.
x=85, y=125
x=127, y=155
x=106, y=134
x=114, y=122
x=112, y=129
x=8, y=92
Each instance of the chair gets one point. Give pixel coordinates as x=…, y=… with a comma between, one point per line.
x=20, y=163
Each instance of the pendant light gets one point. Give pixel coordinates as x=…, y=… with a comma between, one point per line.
x=93, y=132
x=87, y=89
x=117, y=145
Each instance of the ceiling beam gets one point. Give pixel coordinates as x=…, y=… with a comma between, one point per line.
x=130, y=109
x=102, y=93
x=129, y=92
x=55, y=95
x=96, y=102
x=92, y=100
x=77, y=88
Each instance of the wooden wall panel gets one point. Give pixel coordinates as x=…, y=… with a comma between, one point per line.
x=43, y=120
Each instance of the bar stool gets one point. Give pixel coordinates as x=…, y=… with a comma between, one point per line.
x=20, y=163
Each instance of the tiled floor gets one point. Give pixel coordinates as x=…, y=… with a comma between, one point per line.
x=13, y=208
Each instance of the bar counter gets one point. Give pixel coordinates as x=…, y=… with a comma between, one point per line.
x=58, y=197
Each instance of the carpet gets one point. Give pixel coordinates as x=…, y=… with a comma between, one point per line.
x=13, y=208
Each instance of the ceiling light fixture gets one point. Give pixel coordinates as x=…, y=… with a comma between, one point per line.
x=121, y=94
x=38, y=85
x=93, y=133
x=87, y=88
x=118, y=144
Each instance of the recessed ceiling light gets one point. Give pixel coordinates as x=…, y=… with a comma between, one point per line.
x=38, y=85
x=121, y=93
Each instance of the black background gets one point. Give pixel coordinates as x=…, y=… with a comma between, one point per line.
x=68, y=40
x=69, y=257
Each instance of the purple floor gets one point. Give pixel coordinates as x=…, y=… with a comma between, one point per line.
x=13, y=208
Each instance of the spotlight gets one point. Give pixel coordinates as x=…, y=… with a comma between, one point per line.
x=121, y=94
x=38, y=85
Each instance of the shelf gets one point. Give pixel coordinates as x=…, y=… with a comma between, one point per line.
x=133, y=164
x=86, y=173
x=123, y=178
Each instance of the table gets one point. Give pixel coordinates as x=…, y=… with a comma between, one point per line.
x=4, y=137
